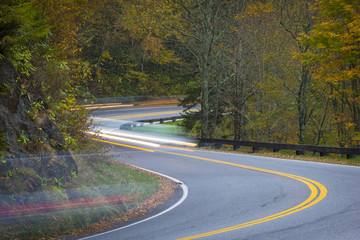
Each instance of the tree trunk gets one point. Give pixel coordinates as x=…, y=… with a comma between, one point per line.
x=205, y=103
x=302, y=103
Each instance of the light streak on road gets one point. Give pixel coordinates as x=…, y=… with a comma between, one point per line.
x=126, y=139
x=154, y=139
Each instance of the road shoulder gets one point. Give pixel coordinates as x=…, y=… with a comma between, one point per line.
x=168, y=195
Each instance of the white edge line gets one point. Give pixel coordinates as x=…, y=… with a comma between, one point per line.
x=182, y=199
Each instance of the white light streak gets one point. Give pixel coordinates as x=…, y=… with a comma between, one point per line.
x=155, y=139
x=126, y=139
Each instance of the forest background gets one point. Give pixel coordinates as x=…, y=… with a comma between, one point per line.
x=283, y=71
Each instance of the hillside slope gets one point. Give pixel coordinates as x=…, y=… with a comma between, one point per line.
x=31, y=148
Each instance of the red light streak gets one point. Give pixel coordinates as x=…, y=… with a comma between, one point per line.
x=72, y=203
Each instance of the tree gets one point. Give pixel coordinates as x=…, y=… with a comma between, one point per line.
x=207, y=35
x=129, y=55
x=40, y=38
x=336, y=37
x=296, y=18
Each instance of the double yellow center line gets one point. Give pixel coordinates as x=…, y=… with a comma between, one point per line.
x=145, y=114
x=318, y=192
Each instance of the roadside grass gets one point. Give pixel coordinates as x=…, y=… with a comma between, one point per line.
x=289, y=154
x=168, y=129
x=177, y=123
x=314, y=157
x=98, y=177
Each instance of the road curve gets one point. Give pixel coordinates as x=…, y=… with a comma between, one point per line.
x=234, y=196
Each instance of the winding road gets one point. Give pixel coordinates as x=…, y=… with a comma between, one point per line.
x=234, y=196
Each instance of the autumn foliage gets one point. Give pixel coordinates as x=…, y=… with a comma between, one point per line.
x=336, y=62
x=276, y=70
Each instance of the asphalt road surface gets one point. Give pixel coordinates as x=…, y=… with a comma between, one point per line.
x=233, y=196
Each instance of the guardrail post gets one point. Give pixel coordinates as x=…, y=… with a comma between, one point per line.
x=255, y=149
x=348, y=156
x=218, y=145
x=236, y=147
x=298, y=152
x=324, y=154
x=151, y=121
x=174, y=119
x=161, y=120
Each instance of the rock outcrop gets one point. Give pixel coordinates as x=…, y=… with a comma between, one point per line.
x=31, y=148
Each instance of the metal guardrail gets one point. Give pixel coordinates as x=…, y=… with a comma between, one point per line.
x=162, y=120
x=150, y=121
x=299, y=148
